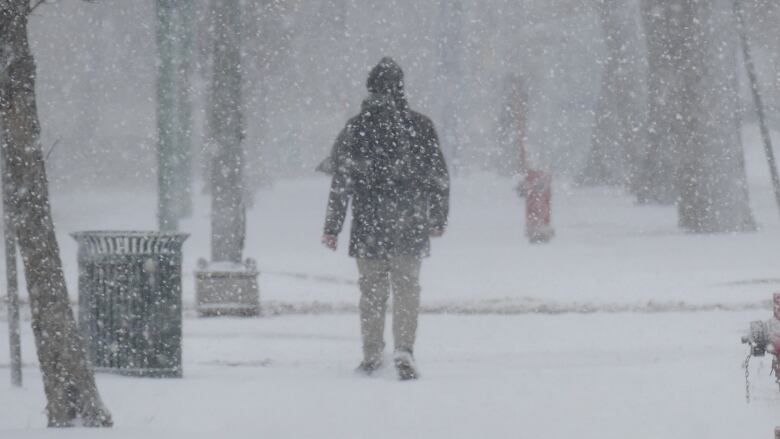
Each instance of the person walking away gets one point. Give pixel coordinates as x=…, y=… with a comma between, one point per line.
x=388, y=163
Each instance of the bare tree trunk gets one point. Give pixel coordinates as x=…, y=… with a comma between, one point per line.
x=617, y=137
x=656, y=176
x=228, y=211
x=712, y=184
x=68, y=380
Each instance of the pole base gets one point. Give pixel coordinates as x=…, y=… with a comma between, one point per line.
x=227, y=289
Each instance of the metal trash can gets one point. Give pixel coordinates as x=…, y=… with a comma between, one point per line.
x=130, y=312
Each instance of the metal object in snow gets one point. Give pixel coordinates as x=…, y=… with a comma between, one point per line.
x=130, y=312
x=757, y=338
x=11, y=276
x=763, y=337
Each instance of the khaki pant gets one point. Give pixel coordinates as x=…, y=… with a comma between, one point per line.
x=376, y=278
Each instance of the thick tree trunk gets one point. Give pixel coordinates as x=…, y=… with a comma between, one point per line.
x=68, y=380
x=227, y=131
x=712, y=183
x=656, y=177
x=617, y=137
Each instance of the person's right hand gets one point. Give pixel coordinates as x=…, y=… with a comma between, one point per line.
x=330, y=241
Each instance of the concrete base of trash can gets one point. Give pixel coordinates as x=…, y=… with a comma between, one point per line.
x=227, y=289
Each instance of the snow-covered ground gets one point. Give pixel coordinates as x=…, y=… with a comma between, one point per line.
x=673, y=375
x=622, y=326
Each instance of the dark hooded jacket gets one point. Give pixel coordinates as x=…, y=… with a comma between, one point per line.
x=387, y=160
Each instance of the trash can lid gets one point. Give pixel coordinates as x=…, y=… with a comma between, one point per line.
x=129, y=242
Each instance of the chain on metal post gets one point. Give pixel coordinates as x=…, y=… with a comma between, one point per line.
x=747, y=377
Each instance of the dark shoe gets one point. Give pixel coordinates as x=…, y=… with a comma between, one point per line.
x=368, y=367
x=404, y=364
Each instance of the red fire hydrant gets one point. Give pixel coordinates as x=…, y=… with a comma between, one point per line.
x=535, y=185
x=764, y=336
x=538, y=196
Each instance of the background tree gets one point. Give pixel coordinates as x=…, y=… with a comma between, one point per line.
x=68, y=381
x=266, y=56
x=656, y=176
x=617, y=137
x=712, y=182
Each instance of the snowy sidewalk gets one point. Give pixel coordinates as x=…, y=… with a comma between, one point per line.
x=621, y=327
x=675, y=375
x=608, y=254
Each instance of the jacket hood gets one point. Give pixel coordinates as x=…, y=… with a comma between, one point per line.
x=387, y=78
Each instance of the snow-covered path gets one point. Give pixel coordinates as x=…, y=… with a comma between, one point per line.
x=607, y=254
x=621, y=327
x=674, y=375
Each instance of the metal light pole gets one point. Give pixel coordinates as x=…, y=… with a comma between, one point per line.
x=12, y=287
x=168, y=218
x=184, y=17
x=174, y=112
x=450, y=75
